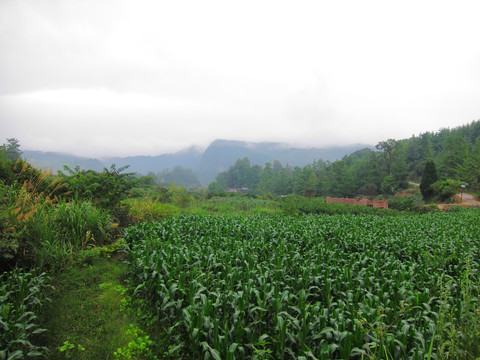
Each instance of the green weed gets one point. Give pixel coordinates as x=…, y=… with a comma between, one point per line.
x=139, y=347
x=68, y=349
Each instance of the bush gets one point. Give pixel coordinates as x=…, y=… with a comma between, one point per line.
x=24, y=207
x=402, y=204
x=151, y=210
x=293, y=205
x=107, y=189
x=445, y=189
x=80, y=223
x=55, y=235
x=235, y=204
x=36, y=230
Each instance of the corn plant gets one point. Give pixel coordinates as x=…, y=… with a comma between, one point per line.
x=22, y=295
x=308, y=287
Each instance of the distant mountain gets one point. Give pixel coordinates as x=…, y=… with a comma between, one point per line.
x=189, y=158
x=221, y=154
x=56, y=161
x=218, y=157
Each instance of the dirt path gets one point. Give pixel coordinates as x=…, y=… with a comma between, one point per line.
x=468, y=200
x=464, y=200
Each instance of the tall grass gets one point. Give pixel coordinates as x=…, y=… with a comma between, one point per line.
x=236, y=204
x=55, y=233
x=144, y=210
x=295, y=205
x=80, y=223
x=22, y=204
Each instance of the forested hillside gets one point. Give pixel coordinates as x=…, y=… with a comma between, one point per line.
x=202, y=167
x=385, y=170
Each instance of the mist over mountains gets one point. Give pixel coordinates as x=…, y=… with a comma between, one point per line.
x=218, y=157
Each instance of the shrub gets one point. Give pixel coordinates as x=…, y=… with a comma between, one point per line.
x=445, y=189
x=55, y=235
x=107, y=189
x=236, y=204
x=80, y=223
x=23, y=207
x=151, y=210
x=293, y=205
x=402, y=204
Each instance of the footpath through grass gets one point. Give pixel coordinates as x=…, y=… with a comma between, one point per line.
x=85, y=318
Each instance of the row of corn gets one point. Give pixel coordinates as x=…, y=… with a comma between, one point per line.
x=309, y=287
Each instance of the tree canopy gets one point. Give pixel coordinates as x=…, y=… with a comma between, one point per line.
x=386, y=169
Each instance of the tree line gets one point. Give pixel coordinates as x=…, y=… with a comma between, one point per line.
x=384, y=170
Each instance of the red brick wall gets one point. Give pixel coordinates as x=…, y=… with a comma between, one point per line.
x=381, y=204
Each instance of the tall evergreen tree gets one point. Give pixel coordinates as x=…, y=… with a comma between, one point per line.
x=453, y=154
x=12, y=149
x=430, y=176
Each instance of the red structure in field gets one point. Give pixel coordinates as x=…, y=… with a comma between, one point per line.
x=379, y=204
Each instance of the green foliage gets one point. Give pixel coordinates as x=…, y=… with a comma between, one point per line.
x=179, y=196
x=81, y=224
x=214, y=188
x=10, y=235
x=445, y=189
x=402, y=204
x=106, y=189
x=11, y=150
x=469, y=170
x=388, y=185
x=86, y=310
x=24, y=207
x=239, y=204
x=315, y=286
x=151, y=210
x=35, y=230
x=294, y=205
x=22, y=297
x=366, y=172
x=68, y=348
x=459, y=339
x=429, y=177
x=55, y=235
x=261, y=349
x=139, y=346
x=157, y=193
x=179, y=176
x=453, y=154
x=117, y=246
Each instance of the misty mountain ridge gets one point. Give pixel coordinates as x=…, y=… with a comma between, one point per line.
x=217, y=157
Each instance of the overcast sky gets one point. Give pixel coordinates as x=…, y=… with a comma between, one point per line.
x=100, y=77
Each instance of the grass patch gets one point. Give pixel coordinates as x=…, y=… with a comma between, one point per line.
x=85, y=320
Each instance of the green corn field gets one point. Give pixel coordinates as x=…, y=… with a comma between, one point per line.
x=22, y=296
x=311, y=287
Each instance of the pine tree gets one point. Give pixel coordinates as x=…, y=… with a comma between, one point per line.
x=430, y=176
x=11, y=150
